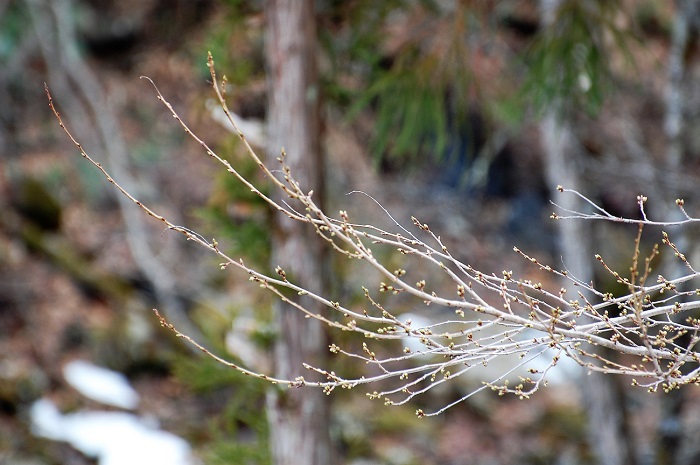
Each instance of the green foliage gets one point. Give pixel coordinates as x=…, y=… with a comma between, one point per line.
x=203, y=374
x=239, y=219
x=14, y=22
x=233, y=453
x=422, y=98
x=37, y=204
x=236, y=45
x=239, y=433
x=420, y=93
x=570, y=61
x=407, y=127
x=350, y=32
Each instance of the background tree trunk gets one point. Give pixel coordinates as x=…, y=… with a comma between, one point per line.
x=670, y=443
x=607, y=432
x=297, y=417
x=602, y=396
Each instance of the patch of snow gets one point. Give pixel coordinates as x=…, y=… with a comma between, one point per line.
x=565, y=373
x=239, y=342
x=417, y=322
x=584, y=82
x=113, y=438
x=100, y=384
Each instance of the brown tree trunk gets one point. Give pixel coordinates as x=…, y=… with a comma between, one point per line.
x=297, y=417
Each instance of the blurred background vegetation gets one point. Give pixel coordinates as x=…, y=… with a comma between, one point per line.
x=433, y=107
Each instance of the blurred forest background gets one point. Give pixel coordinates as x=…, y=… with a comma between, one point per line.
x=465, y=114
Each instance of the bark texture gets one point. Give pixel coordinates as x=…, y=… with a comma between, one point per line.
x=297, y=417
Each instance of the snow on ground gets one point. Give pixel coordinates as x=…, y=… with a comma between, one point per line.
x=100, y=384
x=113, y=438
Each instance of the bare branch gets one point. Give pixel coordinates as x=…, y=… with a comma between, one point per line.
x=508, y=332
